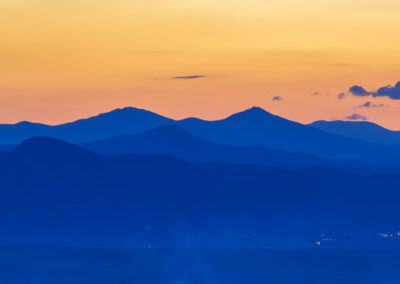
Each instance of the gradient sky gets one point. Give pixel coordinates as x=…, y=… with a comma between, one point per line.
x=66, y=59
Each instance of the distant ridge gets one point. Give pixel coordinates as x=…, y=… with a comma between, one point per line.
x=174, y=141
x=363, y=130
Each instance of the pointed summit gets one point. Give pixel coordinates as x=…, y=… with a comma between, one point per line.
x=253, y=112
x=256, y=110
x=257, y=115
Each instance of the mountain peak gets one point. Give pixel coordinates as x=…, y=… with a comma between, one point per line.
x=127, y=113
x=256, y=109
x=125, y=110
x=24, y=122
x=29, y=124
x=252, y=113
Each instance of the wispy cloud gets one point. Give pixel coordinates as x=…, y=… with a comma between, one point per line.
x=341, y=96
x=356, y=116
x=277, y=98
x=315, y=94
x=371, y=105
x=342, y=64
x=188, y=77
x=391, y=92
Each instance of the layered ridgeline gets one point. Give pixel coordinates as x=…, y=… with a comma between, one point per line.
x=174, y=141
x=252, y=127
x=117, y=122
x=53, y=192
x=256, y=126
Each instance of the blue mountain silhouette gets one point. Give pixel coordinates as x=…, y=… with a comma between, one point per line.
x=54, y=192
x=255, y=126
x=16, y=133
x=174, y=141
x=123, y=121
x=252, y=127
x=362, y=130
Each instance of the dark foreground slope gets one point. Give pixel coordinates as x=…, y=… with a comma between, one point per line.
x=53, y=192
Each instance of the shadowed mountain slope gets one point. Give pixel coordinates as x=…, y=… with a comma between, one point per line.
x=54, y=192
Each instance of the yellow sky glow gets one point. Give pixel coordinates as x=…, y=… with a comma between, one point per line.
x=66, y=59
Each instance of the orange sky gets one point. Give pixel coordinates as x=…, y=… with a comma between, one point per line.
x=67, y=59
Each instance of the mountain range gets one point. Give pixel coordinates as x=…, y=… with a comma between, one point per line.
x=251, y=127
x=131, y=177
x=255, y=126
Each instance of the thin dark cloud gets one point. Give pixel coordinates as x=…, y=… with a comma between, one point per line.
x=359, y=91
x=356, y=116
x=391, y=92
x=341, y=96
x=315, y=94
x=277, y=98
x=371, y=105
x=188, y=77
